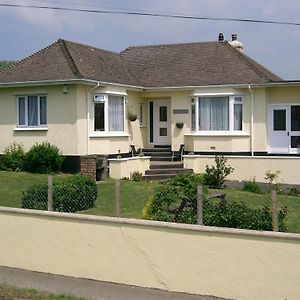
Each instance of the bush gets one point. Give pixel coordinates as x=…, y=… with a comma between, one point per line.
x=237, y=215
x=175, y=200
x=136, y=176
x=215, y=175
x=13, y=159
x=252, y=186
x=43, y=158
x=76, y=193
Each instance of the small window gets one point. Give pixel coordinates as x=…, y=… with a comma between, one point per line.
x=108, y=113
x=279, y=119
x=163, y=113
x=141, y=114
x=32, y=111
x=238, y=113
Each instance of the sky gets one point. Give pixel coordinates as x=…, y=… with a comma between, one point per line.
x=24, y=31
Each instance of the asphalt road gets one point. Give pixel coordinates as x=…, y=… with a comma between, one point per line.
x=89, y=289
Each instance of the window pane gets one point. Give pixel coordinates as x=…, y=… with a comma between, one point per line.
x=163, y=114
x=32, y=110
x=238, y=116
x=295, y=141
x=163, y=132
x=151, y=121
x=279, y=120
x=115, y=113
x=295, y=116
x=21, y=105
x=214, y=113
x=43, y=110
x=99, y=116
x=193, y=117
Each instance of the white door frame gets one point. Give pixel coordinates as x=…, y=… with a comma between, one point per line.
x=160, y=127
x=280, y=141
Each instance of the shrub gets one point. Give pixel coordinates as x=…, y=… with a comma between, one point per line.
x=13, y=159
x=43, y=158
x=215, y=175
x=136, y=176
x=252, y=186
x=76, y=193
x=175, y=200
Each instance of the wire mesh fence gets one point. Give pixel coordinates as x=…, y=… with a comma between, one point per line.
x=72, y=195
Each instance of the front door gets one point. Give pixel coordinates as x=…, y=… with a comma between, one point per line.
x=284, y=128
x=162, y=122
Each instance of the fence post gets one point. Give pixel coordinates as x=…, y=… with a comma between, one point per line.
x=200, y=205
x=118, y=196
x=274, y=209
x=50, y=193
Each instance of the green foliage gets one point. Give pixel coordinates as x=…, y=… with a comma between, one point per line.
x=175, y=200
x=6, y=63
x=136, y=176
x=237, y=215
x=215, y=175
x=13, y=159
x=170, y=194
x=76, y=193
x=43, y=158
x=252, y=186
x=272, y=179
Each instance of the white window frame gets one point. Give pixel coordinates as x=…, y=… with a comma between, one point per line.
x=104, y=97
x=26, y=112
x=233, y=99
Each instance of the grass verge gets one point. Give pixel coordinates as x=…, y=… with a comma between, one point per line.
x=12, y=293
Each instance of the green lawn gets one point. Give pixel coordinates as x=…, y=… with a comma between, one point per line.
x=134, y=195
x=13, y=293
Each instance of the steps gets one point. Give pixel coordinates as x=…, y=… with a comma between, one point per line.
x=161, y=164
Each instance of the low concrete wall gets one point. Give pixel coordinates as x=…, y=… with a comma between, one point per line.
x=246, y=167
x=237, y=264
x=123, y=167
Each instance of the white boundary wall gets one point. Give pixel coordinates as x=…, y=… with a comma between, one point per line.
x=246, y=167
x=230, y=263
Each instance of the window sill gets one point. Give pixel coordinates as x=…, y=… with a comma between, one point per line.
x=218, y=133
x=31, y=129
x=108, y=134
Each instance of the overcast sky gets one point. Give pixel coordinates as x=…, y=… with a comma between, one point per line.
x=26, y=30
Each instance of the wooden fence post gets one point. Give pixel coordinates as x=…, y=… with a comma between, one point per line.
x=118, y=197
x=274, y=209
x=50, y=193
x=200, y=205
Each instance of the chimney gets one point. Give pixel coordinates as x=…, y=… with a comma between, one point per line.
x=236, y=44
x=221, y=37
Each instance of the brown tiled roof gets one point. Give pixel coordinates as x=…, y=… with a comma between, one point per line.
x=193, y=64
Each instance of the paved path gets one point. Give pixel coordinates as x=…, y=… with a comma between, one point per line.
x=89, y=289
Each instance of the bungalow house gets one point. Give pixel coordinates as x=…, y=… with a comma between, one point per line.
x=78, y=97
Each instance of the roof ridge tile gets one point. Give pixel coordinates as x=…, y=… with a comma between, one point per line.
x=69, y=58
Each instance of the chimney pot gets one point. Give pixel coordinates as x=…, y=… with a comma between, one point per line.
x=234, y=37
x=221, y=37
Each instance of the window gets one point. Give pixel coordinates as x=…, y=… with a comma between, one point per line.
x=108, y=113
x=32, y=111
x=217, y=113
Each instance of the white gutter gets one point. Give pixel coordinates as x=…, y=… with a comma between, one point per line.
x=88, y=116
x=251, y=121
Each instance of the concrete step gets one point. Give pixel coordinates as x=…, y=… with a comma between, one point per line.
x=167, y=171
x=161, y=158
x=159, y=176
x=165, y=165
x=157, y=150
x=157, y=154
x=162, y=146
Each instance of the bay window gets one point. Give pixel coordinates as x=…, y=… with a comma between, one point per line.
x=217, y=113
x=108, y=113
x=32, y=111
